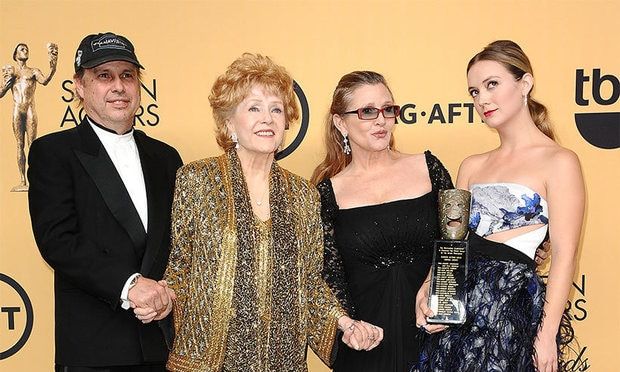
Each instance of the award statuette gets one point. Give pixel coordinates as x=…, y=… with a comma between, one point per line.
x=447, y=297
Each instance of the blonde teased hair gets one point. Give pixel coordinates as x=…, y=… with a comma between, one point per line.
x=234, y=85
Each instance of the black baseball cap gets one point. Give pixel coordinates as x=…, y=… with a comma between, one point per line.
x=96, y=49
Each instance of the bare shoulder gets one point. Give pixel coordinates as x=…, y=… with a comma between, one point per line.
x=411, y=161
x=474, y=161
x=565, y=189
x=470, y=165
x=562, y=154
x=561, y=161
x=341, y=179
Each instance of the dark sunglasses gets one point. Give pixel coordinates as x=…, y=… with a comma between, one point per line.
x=370, y=113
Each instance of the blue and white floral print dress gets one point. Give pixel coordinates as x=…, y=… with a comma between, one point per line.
x=505, y=296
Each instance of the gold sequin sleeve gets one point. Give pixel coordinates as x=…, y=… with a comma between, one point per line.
x=182, y=225
x=323, y=308
x=198, y=223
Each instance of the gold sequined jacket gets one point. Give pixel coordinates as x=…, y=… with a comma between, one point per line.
x=250, y=296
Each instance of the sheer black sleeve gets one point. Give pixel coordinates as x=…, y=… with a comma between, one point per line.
x=333, y=268
x=440, y=178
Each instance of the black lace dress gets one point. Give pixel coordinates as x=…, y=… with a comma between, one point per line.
x=376, y=258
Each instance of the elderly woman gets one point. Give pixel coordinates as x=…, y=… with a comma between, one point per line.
x=247, y=247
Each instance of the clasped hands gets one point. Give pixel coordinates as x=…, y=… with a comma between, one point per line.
x=151, y=300
x=358, y=334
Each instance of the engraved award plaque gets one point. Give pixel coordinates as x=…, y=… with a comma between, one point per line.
x=447, y=297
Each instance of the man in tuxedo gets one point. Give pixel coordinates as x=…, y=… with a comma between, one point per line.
x=100, y=198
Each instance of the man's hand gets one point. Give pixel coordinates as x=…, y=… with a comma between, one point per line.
x=148, y=314
x=148, y=293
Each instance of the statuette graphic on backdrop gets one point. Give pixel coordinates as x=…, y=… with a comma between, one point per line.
x=22, y=81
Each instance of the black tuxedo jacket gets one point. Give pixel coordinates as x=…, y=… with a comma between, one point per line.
x=90, y=233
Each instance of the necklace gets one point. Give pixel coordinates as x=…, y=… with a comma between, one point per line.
x=260, y=202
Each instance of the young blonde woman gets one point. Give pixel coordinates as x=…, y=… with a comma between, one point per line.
x=527, y=187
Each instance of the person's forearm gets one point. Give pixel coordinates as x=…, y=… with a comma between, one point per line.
x=558, y=287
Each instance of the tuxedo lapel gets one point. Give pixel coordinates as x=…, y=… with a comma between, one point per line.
x=100, y=168
x=156, y=194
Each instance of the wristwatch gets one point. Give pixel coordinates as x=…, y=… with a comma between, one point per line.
x=134, y=281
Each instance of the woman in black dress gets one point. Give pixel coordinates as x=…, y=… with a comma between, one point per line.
x=379, y=211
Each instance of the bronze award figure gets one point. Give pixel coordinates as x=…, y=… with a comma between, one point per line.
x=22, y=81
x=447, y=296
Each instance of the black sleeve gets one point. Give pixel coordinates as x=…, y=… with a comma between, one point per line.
x=333, y=268
x=440, y=178
x=57, y=230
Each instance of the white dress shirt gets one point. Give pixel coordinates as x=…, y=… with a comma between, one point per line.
x=124, y=153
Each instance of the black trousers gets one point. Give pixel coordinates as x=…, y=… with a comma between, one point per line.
x=141, y=368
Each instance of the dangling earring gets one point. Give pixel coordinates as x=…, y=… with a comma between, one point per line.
x=525, y=100
x=233, y=137
x=345, y=145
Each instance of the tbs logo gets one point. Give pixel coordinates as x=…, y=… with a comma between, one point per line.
x=16, y=316
x=601, y=129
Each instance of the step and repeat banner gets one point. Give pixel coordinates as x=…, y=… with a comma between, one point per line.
x=422, y=48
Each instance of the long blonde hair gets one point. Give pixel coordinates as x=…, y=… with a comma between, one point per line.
x=335, y=159
x=511, y=56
